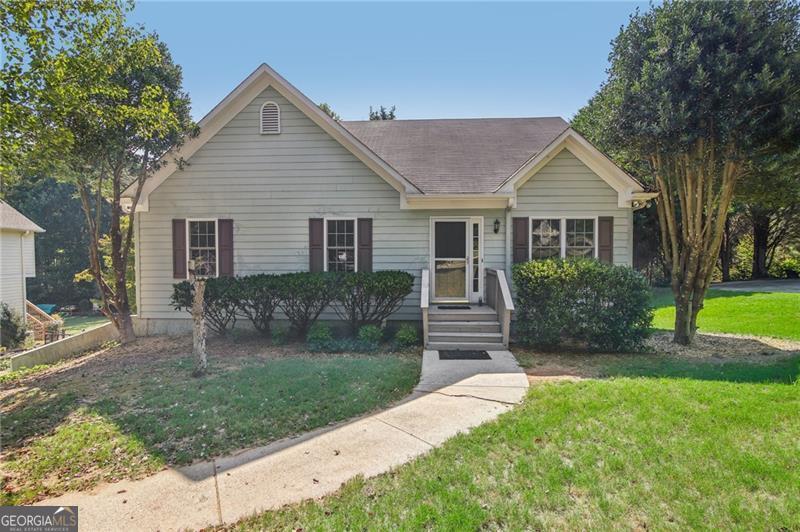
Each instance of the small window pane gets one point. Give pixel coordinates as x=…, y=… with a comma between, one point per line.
x=546, y=238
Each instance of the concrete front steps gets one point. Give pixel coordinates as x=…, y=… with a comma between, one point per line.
x=475, y=328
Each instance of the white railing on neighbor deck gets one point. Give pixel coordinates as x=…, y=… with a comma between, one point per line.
x=498, y=296
x=424, y=296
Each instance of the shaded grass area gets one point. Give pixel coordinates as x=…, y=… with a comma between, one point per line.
x=75, y=324
x=93, y=423
x=623, y=453
x=752, y=313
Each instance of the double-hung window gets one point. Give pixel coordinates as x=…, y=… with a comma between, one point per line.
x=202, y=248
x=563, y=237
x=340, y=244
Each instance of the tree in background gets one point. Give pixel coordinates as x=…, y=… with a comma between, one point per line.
x=382, y=114
x=61, y=249
x=698, y=91
x=770, y=201
x=106, y=105
x=330, y=112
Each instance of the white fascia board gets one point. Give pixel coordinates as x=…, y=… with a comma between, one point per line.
x=235, y=102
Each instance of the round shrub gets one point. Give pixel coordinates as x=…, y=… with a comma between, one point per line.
x=605, y=306
x=303, y=296
x=369, y=298
x=406, y=336
x=370, y=336
x=319, y=337
x=256, y=297
x=220, y=300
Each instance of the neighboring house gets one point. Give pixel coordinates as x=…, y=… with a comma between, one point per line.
x=17, y=256
x=273, y=184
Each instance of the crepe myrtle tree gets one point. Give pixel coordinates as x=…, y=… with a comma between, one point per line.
x=698, y=90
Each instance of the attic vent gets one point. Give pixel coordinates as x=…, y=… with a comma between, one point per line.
x=270, y=119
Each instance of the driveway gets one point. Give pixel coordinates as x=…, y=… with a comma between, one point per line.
x=452, y=396
x=790, y=286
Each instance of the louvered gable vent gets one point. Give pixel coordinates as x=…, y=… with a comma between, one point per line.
x=270, y=119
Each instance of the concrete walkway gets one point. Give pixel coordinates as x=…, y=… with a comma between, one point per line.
x=791, y=286
x=451, y=397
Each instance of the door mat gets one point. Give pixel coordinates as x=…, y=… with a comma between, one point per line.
x=453, y=307
x=458, y=354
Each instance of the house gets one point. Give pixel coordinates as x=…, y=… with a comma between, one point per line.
x=17, y=256
x=273, y=184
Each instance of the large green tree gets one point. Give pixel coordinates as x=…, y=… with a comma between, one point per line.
x=697, y=91
x=107, y=104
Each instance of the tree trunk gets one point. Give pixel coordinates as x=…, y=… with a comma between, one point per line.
x=726, y=252
x=199, y=328
x=760, y=245
x=125, y=327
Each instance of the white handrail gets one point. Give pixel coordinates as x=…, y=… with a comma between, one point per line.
x=508, y=301
x=424, y=299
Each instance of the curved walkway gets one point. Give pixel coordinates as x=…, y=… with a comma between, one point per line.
x=452, y=396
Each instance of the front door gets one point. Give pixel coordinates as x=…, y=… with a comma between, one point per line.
x=457, y=259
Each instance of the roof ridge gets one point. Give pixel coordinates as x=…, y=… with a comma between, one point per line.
x=395, y=120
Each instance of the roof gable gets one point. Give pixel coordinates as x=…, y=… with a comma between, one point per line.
x=262, y=78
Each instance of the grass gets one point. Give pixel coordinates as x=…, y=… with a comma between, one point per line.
x=752, y=313
x=717, y=450
x=128, y=417
x=76, y=324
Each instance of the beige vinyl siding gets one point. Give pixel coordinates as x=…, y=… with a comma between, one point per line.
x=12, y=278
x=567, y=188
x=270, y=185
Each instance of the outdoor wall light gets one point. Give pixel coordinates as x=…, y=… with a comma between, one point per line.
x=496, y=226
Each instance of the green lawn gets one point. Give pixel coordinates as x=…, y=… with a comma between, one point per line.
x=131, y=411
x=76, y=324
x=754, y=313
x=717, y=450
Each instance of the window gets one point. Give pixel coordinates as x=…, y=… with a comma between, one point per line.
x=545, y=239
x=340, y=245
x=270, y=119
x=580, y=238
x=563, y=237
x=203, y=246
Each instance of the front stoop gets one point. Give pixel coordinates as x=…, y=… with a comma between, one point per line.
x=475, y=328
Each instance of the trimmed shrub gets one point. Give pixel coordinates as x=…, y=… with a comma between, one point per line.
x=303, y=296
x=256, y=297
x=370, y=337
x=220, y=299
x=369, y=298
x=607, y=307
x=406, y=336
x=12, y=328
x=319, y=338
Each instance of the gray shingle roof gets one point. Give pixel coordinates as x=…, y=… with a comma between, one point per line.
x=457, y=156
x=11, y=218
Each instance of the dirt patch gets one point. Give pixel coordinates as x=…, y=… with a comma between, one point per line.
x=543, y=366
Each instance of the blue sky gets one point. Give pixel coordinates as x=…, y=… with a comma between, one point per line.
x=445, y=60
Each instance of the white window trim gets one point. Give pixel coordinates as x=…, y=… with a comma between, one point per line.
x=261, y=118
x=562, y=232
x=355, y=240
x=216, y=244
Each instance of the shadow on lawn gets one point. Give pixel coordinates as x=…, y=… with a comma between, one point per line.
x=781, y=371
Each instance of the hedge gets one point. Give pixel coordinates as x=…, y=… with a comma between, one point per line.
x=607, y=307
x=364, y=298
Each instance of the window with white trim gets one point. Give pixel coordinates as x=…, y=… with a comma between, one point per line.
x=563, y=238
x=270, y=118
x=580, y=238
x=202, y=248
x=340, y=244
